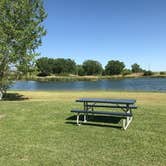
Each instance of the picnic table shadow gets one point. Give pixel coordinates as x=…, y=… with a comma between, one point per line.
x=14, y=97
x=97, y=120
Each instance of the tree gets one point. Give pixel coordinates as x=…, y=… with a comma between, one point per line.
x=64, y=66
x=136, y=68
x=148, y=73
x=126, y=72
x=21, y=30
x=92, y=67
x=45, y=66
x=80, y=70
x=70, y=66
x=114, y=67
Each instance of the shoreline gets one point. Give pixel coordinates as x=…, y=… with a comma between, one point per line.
x=87, y=78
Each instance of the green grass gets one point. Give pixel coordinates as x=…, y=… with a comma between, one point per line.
x=35, y=131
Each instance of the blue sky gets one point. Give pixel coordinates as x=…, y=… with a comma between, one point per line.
x=126, y=30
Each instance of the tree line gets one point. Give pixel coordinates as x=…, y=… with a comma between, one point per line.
x=48, y=66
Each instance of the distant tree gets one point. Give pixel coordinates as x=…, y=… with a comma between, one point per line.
x=70, y=66
x=80, y=70
x=20, y=34
x=126, y=72
x=148, y=73
x=45, y=66
x=64, y=66
x=59, y=65
x=92, y=67
x=114, y=67
x=162, y=73
x=136, y=68
x=103, y=72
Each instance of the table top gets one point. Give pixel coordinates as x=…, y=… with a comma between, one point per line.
x=102, y=100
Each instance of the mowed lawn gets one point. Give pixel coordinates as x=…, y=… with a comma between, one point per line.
x=37, y=131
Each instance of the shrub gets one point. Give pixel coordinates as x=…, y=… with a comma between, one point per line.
x=162, y=73
x=43, y=74
x=148, y=73
x=80, y=70
x=126, y=72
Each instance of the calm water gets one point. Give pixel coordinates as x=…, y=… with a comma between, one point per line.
x=133, y=84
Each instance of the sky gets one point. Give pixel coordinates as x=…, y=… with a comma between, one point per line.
x=132, y=31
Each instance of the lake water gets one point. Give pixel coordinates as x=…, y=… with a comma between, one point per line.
x=131, y=84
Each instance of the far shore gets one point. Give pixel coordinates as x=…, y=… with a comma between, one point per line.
x=90, y=78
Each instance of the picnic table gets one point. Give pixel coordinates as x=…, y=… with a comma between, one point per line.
x=125, y=105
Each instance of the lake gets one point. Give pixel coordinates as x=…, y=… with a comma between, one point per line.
x=127, y=84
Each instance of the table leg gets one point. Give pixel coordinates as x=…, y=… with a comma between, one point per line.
x=85, y=109
x=78, y=119
x=128, y=119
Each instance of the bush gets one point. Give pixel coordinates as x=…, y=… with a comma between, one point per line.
x=103, y=73
x=80, y=70
x=162, y=73
x=126, y=72
x=148, y=73
x=43, y=74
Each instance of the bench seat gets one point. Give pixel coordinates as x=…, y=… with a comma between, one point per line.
x=113, y=106
x=116, y=114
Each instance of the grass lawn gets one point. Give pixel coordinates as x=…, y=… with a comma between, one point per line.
x=35, y=131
